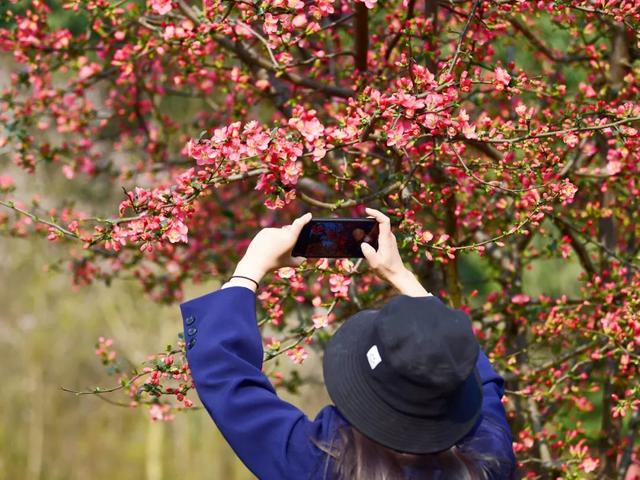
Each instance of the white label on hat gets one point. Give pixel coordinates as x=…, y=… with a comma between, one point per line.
x=374, y=357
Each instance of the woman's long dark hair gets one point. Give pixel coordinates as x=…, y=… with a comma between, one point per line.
x=353, y=456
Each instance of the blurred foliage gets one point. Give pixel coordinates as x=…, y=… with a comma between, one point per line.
x=47, y=332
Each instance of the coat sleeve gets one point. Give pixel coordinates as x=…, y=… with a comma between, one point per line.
x=493, y=436
x=224, y=351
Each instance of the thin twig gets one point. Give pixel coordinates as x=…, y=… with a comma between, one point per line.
x=492, y=185
x=252, y=60
x=561, y=132
x=264, y=42
x=476, y=3
x=100, y=391
x=37, y=219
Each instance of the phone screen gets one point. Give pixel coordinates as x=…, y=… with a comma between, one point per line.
x=336, y=237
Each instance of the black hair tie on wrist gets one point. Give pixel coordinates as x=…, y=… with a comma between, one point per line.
x=240, y=276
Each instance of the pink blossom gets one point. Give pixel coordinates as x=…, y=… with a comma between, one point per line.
x=587, y=90
x=571, y=139
x=344, y=265
x=520, y=299
x=614, y=167
x=339, y=284
x=291, y=172
x=172, y=31
x=297, y=354
x=322, y=264
x=176, y=232
x=319, y=150
x=67, y=171
x=156, y=412
x=161, y=7
x=469, y=131
x=73, y=226
x=306, y=123
x=88, y=70
x=426, y=236
x=6, y=183
x=320, y=320
x=589, y=464
x=567, y=191
x=423, y=75
x=397, y=137
x=299, y=20
x=270, y=24
x=502, y=78
x=286, y=272
x=430, y=120
x=521, y=110
x=565, y=250
x=274, y=203
x=54, y=234
x=409, y=102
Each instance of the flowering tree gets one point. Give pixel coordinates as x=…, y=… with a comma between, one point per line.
x=505, y=130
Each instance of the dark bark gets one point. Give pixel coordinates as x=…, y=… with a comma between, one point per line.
x=362, y=36
x=610, y=428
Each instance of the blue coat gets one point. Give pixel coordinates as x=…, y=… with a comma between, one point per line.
x=271, y=436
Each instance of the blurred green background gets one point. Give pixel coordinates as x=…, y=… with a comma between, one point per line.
x=47, y=333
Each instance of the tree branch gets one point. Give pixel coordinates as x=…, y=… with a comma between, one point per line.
x=476, y=3
x=539, y=44
x=396, y=38
x=578, y=247
x=252, y=60
x=561, y=132
x=355, y=201
x=361, y=36
x=625, y=461
x=37, y=219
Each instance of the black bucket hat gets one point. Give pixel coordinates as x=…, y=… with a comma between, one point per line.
x=405, y=375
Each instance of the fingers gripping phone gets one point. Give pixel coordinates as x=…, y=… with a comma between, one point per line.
x=336, y=237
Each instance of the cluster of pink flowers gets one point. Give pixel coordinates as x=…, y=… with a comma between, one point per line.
x=291, y=25
x=161, y=7
x=104, y=351
x=6, y=183
x=502, y=79
x=271, y=302
x=339, y=285
x=297, y=354
x=161, y=412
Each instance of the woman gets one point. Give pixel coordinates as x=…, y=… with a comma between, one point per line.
x=414, y=395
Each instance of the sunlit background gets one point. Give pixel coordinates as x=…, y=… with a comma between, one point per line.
x=47, y=334
x=48, y=330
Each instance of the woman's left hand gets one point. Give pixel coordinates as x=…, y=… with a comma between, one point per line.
x=271, y=248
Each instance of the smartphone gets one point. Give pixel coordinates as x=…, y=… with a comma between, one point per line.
x=336, y=237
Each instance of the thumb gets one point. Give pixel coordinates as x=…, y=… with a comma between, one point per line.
x=368, y=251
x=300, y=222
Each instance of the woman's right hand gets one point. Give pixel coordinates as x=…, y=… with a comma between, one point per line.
x=386, y=261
